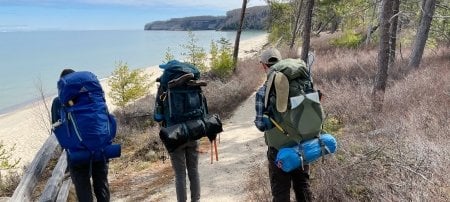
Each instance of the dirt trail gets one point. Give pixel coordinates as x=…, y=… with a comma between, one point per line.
x=241, y=147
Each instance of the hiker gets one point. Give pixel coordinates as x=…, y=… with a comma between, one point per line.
x=182, y=112
x=82, y=166
x=280, y=181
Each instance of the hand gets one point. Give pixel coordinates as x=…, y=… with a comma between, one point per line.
x=267, y=123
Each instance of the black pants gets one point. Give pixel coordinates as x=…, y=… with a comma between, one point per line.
x=280, y=181
x=81, y=178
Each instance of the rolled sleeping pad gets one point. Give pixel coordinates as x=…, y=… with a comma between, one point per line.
x=79, y=157
x=84, y=156
x=112, y=151
x=309, y=151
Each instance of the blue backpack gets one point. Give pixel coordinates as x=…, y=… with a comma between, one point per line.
x=86, y=128
x=181, y=106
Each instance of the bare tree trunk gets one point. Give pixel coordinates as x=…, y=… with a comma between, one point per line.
x=43, y=112
x=296, y=23
x=335, y=24
x=238, y=34
x=422, y=34
x=370, y=27
x=393, y=30
x=325, y=25
x=383, y=57
x=307, y=30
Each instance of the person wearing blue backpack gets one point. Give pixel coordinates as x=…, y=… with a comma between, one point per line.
x=84, y=162
x=280, y=181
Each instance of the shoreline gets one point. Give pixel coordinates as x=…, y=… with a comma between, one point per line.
x=245, y=52
x=26, y=125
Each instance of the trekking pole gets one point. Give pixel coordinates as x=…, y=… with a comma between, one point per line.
x=278, y=126
x=211, y=152
x=311, y=58
x=215, y=148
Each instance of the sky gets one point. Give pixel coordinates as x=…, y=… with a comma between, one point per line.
x=25, y=15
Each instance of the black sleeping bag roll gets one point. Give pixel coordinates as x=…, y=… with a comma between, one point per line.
x=173, y=136
x=178, y=134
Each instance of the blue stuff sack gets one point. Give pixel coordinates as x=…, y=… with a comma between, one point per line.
x=291, y=158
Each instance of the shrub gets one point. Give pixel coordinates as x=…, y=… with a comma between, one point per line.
x=194, y=54
x=5, y=158
x=127, y=86
x=224, y=96
x=221, y=58
x=8, y=180
x=168, y=56
x=349, y=39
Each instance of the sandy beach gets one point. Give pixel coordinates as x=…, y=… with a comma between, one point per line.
x=27, y=128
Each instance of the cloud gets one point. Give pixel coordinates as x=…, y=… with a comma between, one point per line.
x=220, y=4
x=215, y=4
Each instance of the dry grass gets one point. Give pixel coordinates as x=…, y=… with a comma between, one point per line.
x=400, y=154
x=8, y=183
x=225, y=96
x=257, y=184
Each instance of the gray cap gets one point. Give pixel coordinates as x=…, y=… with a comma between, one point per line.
x=270, y=56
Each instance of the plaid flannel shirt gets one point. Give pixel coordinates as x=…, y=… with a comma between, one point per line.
x=259, y=106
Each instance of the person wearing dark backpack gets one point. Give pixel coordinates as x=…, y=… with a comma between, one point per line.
x=181, y=110
x=84, y=164
x=280, y=181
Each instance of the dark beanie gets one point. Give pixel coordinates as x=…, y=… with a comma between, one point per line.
x=66, y=71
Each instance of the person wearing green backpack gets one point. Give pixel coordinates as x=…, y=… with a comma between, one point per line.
x=276, y=138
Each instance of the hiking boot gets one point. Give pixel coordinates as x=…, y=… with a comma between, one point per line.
x=180, y=80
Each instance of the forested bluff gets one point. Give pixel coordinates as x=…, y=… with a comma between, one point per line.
x=255, y=19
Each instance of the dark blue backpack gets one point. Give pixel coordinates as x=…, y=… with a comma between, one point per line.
x=181, y=106
x=180, y=102
x=86, y=128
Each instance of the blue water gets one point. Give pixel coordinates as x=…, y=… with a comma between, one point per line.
x=28, y=59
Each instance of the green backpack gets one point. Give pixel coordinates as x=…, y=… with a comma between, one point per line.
x=292, y=104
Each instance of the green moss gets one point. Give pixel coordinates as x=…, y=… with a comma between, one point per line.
x=357, y=191
x=332, y=125
x=349, y=39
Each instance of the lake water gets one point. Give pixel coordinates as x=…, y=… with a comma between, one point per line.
x=28, y=59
